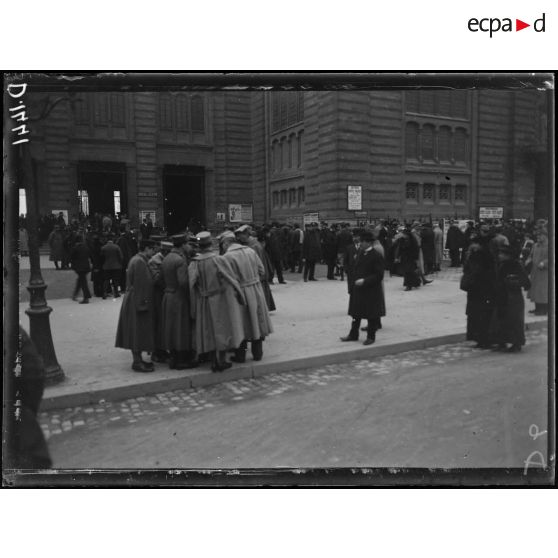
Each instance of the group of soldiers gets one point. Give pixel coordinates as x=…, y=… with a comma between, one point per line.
x=188, y=302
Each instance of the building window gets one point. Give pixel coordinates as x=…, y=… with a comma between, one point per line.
x=198, y=114
x=287, y=109
x=22, y=202
x=291, y=147
x=275, y=200
x=283, y=198
x=82, y=110
x=428, y=143
x=300, y=196
x=428, y=193
x=292, y=197
x=165, y=112
x=300, y=150
x=83, y=201
x=444, y=193
x=412, y=101
x=117, y=110
x=460, y=193
x=412, y=141
x=411, y=192
x=444, y=144
x=182, y=113
x=101, y=113
x=460, y=146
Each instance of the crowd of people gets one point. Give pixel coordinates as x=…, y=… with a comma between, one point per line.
x=165, y=278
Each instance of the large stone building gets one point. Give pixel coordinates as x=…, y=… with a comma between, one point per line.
x=261, y=156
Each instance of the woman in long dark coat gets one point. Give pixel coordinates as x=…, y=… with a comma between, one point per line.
x=407, y=255
x=135, y=324
x=509, y=318
x=478, y=282
x=367, y=297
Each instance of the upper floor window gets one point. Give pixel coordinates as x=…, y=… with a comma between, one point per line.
x=453, y=104
x=103, y=109
x=198, y=114
x=287, y=109
x=181, y=112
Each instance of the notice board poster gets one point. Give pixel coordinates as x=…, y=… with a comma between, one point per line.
x=354, y=198
x=240, y=213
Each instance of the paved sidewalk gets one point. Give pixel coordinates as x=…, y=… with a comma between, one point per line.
x=309, y=320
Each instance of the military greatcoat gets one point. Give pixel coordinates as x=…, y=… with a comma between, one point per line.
x=367, y=301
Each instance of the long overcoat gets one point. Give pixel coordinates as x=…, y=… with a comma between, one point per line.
x=135, y=323
x=176, y=319
x=56, y=245
x=249, y=269
x=311, y=246
x=454, y=238
x=539, y=277
x=509, y=323
x=367, y=301
x=438, y=246
x=268, y=272
x=349, y=259
x=478, y=281
x=156, y=268
x=214, y=306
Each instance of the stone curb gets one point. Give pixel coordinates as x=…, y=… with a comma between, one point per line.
x=249, y=370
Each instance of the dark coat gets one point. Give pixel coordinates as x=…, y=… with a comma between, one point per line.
x=427, y=245
x=454, y=238
x=349, y=261
x=509, y=323
x=295, y=245
x=273, y=245
x=478, y=281
x=112, y=256
x=367, y=301
x=135, y=323
x=127, y=246
x=329, y=245
x=155, y=266
x=177, y=330
x=311, y=246
x=268, y=272
x=344, y=239
x=80, y=258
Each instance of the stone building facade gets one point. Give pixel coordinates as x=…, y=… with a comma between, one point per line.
x=193, y=156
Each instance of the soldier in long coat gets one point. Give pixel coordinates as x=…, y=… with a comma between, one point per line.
x=176, y=320
x=311, y=251
x=248, y=269
x=454, y=243
x=135, y=324
x=215, y=297
x=367, y=298
x=161, y=249
x=438, y=247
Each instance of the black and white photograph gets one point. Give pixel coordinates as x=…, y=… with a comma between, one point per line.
x=328, y=278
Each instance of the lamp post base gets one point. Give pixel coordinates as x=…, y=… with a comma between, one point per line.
x=39, y=331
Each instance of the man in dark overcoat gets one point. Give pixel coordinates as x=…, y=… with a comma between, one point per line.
x=177, y=330
x=112, y=266
x=349, y=258
x=329, y=250
x=80, y=259
x=273, y=247
x=135, y=324
x=311, y=251
x=454, y=243
x=367, y=297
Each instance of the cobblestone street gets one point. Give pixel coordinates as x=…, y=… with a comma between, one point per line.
x=162, y=408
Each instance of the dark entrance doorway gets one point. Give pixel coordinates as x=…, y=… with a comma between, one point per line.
x=102, y=188
x=183, y=190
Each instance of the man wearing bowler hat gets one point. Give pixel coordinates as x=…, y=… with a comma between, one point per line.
x=367, y=299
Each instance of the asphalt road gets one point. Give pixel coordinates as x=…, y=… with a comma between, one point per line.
x=449, y=406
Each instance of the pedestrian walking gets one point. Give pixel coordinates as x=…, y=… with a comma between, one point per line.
x=135, y=323
x=509, y=315
x=248, y=270
x=215, y=298
x=311, y=251
x=273, y=247
x=367, y=299
x=538, y=292
x=56, y=245
x=80, y=259
x=176, y=321
x=128, y=246
x=112, y=266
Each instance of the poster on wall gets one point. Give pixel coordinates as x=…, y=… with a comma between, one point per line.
x=491, y=212
x=308, y=218
x=354, y=198
x=240, y=212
